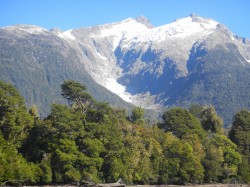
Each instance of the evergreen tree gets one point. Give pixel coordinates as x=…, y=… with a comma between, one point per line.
x=137, y=115
x=15, y=121
x=33, y=111
x=196, y=110
x=240, y=135
x=15, y=124
x=211, y=121
x=14, y=169
x=179, y=165
x=181, y=122
x=222, y=160
x=76, y=94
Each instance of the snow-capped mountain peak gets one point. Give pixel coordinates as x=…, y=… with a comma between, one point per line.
x=128, y=26
x=138, y=35
x=188, y=26
x=132, y=31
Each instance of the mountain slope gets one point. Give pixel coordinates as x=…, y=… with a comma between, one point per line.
x=192, y=60
x=37, y=62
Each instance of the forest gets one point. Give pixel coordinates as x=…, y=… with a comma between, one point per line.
x=92, y=141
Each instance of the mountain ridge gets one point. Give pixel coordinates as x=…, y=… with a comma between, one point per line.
x=153, y=67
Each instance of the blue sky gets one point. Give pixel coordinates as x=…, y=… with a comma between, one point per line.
x=68, y=14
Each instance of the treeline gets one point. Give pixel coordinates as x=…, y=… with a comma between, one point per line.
x=92, y=141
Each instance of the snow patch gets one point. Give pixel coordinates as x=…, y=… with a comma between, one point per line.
x=123, y=30
x=118, y=89
x=101, y=56
x=126, y=27
x=69, y=34
x=66, y=35
x=61, y=35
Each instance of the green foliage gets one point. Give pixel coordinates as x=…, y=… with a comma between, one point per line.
x=46, y=176
x=208, y=117
x=240, y=132
x=76, y=95
x=240, y=135
x=14, y=169
x=180, y=166
x=211, y=121
x=101, y=144
x=15, y=121
x=33, y=111
x=222, y=160
x=72, y=155
x=181, y=122
x=137, y=115
x=196, y=110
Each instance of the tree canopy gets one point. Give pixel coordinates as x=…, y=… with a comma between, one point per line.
x=181, y=122
x=92, y=141
x=240, y=135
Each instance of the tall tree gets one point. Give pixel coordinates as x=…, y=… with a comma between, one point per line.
x=137, y=115
x=34, y=111
x=211, y=121
x=240, y=135
x=74, y=151
x=181, y=122
x=15, y=121
x=179, y=166
x=196, y=110
x=222, y=160
x=76, y=94
x=240, y=132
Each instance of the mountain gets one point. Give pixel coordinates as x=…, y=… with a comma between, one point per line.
x=191, y=60
x=37, y=61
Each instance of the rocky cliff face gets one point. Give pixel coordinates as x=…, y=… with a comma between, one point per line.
x=192, y=60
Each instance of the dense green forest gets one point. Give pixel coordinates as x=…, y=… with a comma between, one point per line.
x=89, y=140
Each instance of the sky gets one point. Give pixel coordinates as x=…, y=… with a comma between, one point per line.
x=70, y=14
